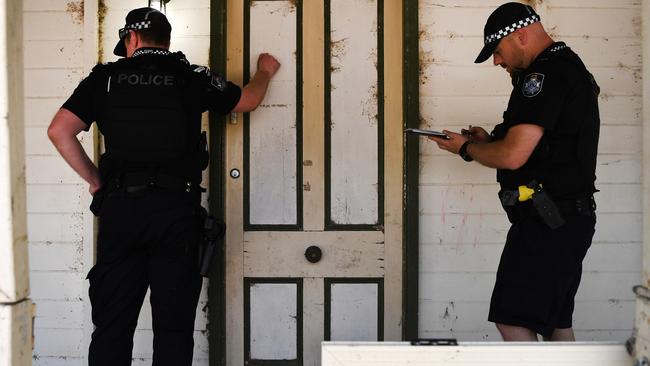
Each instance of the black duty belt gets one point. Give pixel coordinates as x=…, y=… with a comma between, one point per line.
x=567, y=207
x=581, y=206
x=139, y=181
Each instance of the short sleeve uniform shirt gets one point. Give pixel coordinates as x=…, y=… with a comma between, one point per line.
x=557, y=93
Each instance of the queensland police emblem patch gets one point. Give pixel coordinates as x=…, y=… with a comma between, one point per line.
x=218, y=82
x=533, y=84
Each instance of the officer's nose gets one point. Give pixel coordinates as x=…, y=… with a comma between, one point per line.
x=496, y=59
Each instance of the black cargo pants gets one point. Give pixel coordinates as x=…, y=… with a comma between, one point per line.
x=146, y=240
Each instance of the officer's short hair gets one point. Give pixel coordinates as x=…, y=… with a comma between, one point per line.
x=153, y=36
x=152, y=26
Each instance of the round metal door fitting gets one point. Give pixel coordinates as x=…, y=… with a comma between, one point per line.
x=234, y=173
x=313, y=254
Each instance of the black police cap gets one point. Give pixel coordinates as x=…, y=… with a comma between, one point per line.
x=142, y=18
x=506, y=19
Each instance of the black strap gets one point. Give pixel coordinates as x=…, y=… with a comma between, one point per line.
x=138, y=181
x=574, y=207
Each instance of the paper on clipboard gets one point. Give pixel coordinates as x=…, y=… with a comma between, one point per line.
x=427, y=133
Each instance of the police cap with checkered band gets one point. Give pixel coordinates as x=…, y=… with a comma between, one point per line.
x=506, y=19
x=142, y=18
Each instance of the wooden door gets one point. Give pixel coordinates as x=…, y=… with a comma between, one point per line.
x=318, y=165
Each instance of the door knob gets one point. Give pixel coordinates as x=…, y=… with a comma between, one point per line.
x=313, y=254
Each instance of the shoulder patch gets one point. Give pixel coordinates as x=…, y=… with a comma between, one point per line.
x=201, y=69
x=532, y=84
x=216, y=80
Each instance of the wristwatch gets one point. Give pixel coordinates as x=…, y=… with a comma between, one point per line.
x=463, y=151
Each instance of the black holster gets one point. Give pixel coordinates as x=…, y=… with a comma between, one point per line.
x=98, y=199
x=213, y=230
x=542, y=206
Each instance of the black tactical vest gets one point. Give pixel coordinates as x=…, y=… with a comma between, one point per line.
x=147, y=122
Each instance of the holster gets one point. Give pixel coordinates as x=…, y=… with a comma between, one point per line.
x=542, y=206
x=98, y=200
x=213, y=230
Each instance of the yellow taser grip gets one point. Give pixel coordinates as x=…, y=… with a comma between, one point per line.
x=525, y=193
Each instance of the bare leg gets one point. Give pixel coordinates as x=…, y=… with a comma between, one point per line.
x=562, y=335
x=511, y=333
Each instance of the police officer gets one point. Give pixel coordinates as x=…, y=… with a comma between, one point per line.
x=545, y=156
x=146, y=190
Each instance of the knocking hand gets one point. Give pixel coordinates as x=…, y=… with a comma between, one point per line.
x=268, y=64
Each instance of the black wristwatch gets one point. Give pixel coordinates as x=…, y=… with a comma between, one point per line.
x=463, y=151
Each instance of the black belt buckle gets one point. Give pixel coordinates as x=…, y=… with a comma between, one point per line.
x=137, y=189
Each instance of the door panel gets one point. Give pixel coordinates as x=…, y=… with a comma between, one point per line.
x=353, y=55
x=318, y=139
x=273, y=321
x=345, y=254
x=353, y=309
x=272, y=148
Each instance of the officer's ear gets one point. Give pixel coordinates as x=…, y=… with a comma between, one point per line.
x=521, y=37
x=132, y=37
x=131, y=42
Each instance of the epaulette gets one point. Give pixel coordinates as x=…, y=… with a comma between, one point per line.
x=102, y=66
x=215, y=79
x=201, y=70
x=181, y=57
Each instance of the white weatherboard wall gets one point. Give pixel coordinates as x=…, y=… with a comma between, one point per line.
x=60, y=48
x=462, y=226
x=56, y=39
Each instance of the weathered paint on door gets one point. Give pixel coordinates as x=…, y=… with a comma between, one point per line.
x=317, y=158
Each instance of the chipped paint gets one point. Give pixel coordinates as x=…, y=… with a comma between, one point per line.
x=284, y=11
x=426, y=59
x=637, y=25
x=76, y=10
x=102, y=9
x=274, y=105
x=338, y=49
x=370, y=105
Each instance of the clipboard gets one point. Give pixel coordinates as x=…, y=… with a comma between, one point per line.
x=418, y=131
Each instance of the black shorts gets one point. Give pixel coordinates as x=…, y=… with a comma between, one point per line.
x=539, y=274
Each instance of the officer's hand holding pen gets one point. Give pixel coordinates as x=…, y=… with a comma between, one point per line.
x=476, y=134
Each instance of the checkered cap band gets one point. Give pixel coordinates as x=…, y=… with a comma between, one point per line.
x=511, y=28
x=148, y=51
x=135, y=26
x=557, y=48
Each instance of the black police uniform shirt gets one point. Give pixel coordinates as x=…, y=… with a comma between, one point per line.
x=557, y=93
x=149, y=106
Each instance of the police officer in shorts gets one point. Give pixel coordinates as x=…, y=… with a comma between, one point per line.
x=148, y=107
x=544, y=152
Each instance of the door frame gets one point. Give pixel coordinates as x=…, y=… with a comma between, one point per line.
x=409, y=96
x=217, y=192
x=411, y=164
